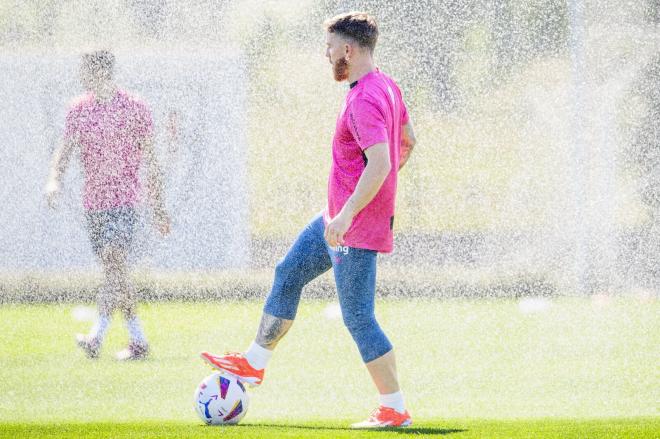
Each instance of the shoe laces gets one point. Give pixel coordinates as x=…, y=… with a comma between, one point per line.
x=237, y=354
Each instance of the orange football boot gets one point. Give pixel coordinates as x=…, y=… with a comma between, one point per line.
x=384, y=417
x=236, y=364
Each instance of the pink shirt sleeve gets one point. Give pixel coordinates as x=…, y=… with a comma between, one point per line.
x=367, y=123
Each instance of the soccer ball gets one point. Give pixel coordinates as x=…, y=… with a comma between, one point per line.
x=221, y=399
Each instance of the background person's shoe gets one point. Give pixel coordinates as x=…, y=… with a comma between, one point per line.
x=90, y=345
x=134, y=351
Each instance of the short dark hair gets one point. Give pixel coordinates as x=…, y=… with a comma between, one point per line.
x=358, y=26
x=101, y=62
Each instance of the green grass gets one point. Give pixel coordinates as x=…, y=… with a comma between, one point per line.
x=476, y=368
x=454, y=429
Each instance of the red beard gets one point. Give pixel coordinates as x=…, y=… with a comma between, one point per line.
x=340, y=70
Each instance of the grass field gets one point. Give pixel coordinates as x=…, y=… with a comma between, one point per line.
x=480, y=368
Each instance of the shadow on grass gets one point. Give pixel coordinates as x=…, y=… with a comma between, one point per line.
x=405, y=430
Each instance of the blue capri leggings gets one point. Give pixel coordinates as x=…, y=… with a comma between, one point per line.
x=355, y=276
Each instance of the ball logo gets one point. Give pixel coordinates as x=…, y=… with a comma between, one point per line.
x=207, y=413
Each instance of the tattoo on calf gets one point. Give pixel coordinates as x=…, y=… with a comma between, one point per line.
x=271, y=330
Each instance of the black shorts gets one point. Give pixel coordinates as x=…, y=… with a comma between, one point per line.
x=114, y=226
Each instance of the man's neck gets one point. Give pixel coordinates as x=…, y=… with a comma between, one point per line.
x=106, y=92
x=360, y=69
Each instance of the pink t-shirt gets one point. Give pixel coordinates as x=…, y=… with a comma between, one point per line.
x=374, y=112
x=109, y=134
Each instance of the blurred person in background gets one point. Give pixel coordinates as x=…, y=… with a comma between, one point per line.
x=111, y=131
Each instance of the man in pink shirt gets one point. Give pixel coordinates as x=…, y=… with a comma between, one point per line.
x=112, y=132
x=373, y=139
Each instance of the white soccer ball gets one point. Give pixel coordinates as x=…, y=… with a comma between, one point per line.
x=221, y=399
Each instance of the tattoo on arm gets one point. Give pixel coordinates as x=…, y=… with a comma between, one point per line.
x=271, y=330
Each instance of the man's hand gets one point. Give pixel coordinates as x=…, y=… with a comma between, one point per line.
x=162, y=222
x=53, y=192
x=337, y=228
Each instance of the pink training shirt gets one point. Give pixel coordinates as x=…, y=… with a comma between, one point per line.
x=374, y=112
x=110, y=134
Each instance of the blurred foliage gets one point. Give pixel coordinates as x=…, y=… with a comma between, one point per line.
x=652, y=11
x=76, y=25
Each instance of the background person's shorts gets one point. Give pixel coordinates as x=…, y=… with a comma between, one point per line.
x=114, y=226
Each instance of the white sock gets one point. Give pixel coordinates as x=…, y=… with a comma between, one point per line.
x=135, y=331
x=258, y=356
x=101, y=328
x=393, y=400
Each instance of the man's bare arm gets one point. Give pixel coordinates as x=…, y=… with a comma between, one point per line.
x=372, y=178
x=59, y=163
x=408, y=141
x=155, y=185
